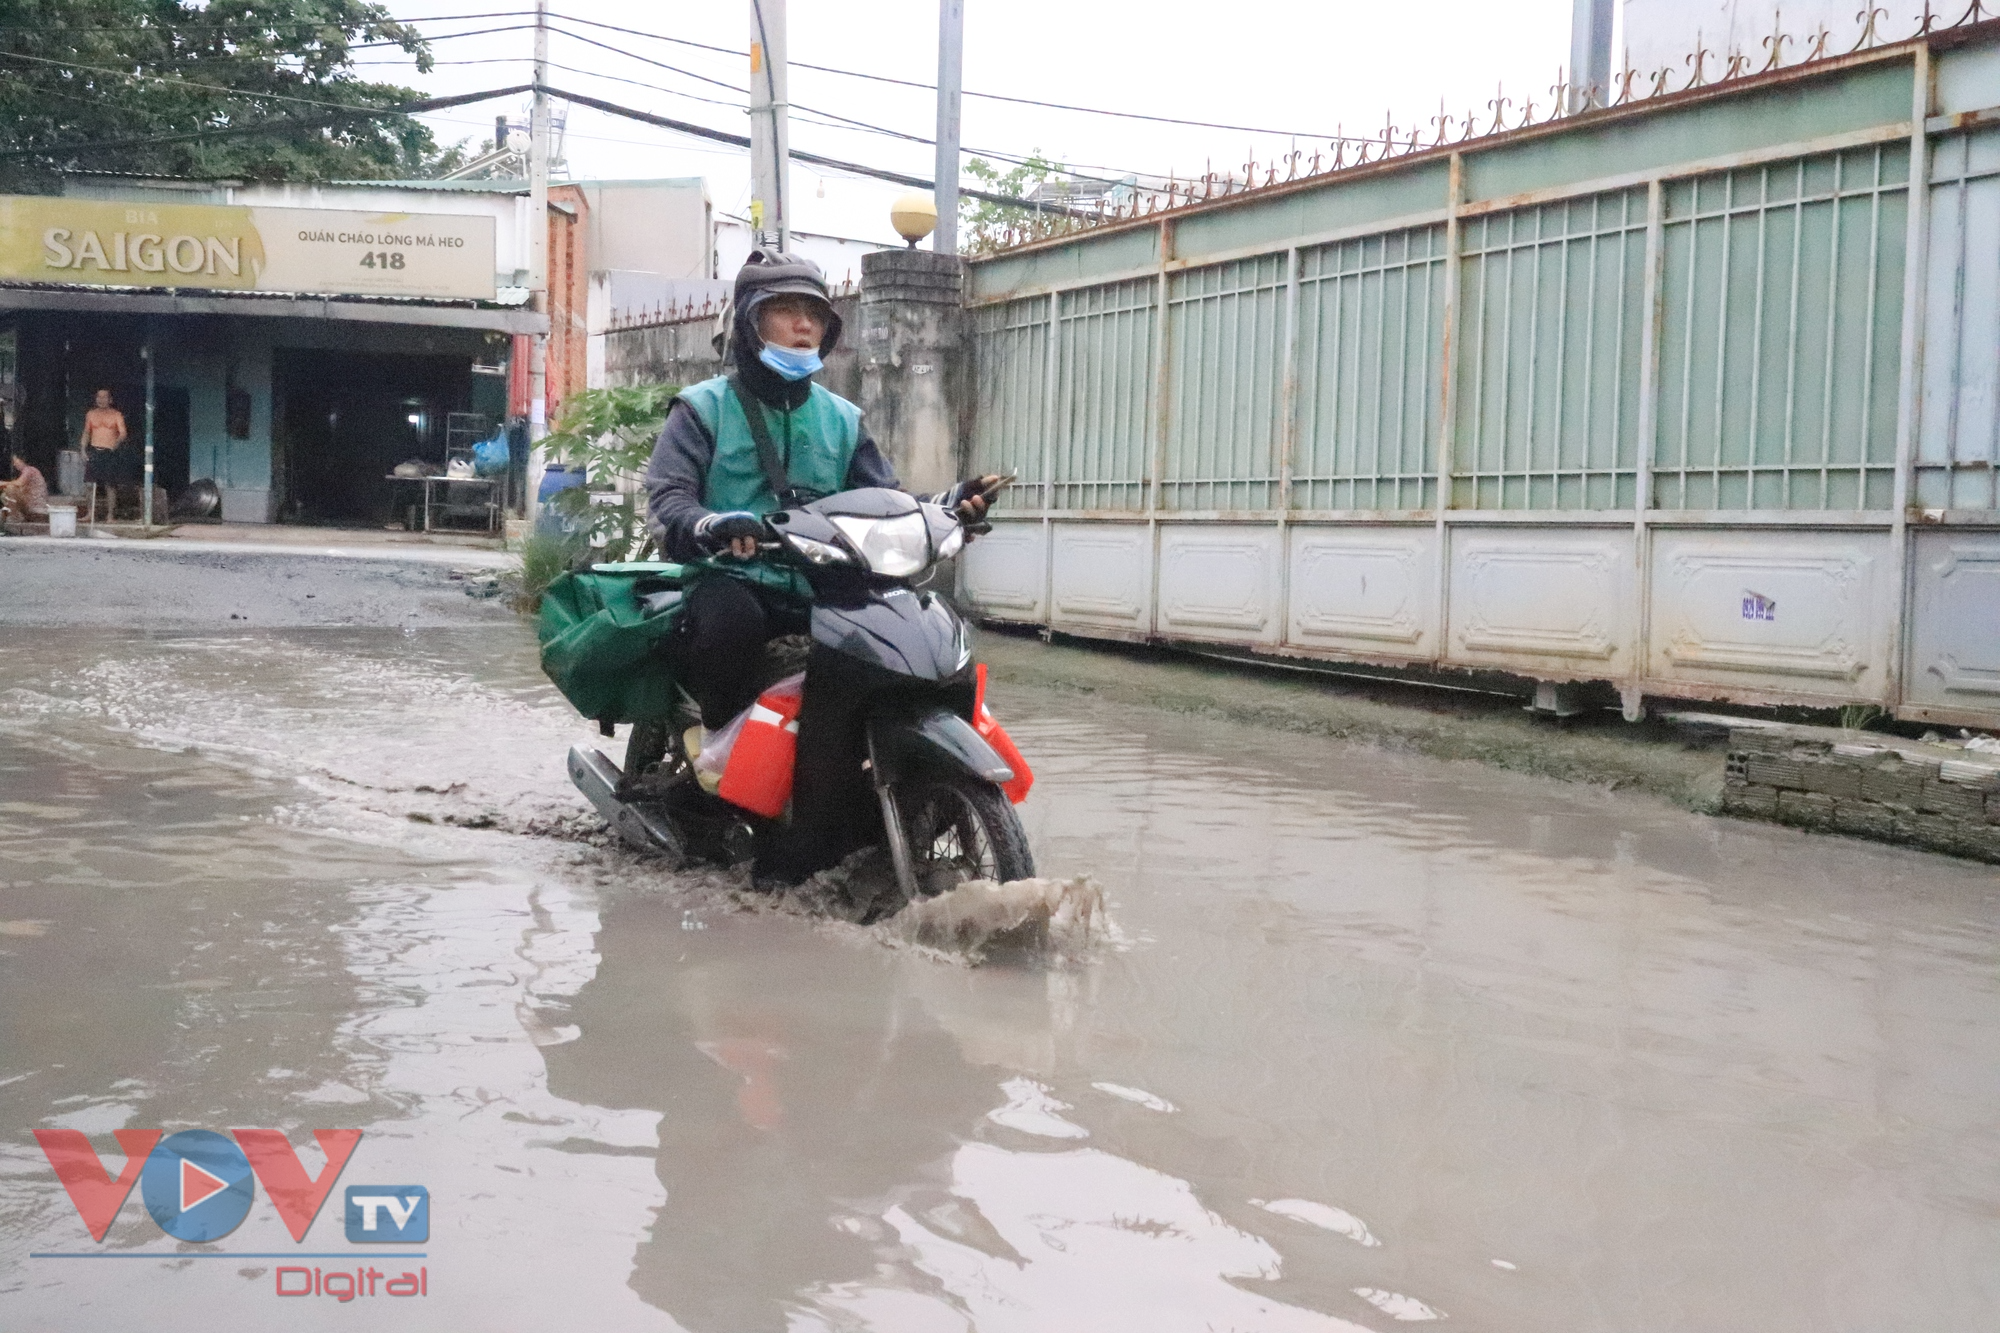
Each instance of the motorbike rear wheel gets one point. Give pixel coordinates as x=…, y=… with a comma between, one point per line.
x=962, y=829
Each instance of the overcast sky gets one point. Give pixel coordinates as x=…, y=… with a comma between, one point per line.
x=1293, y=67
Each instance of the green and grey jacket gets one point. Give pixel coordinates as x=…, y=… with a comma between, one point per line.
x=705, y=460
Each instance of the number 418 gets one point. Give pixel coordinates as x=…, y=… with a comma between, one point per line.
x=382, y=259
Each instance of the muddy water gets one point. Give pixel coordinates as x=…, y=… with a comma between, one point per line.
x=1378, y=1040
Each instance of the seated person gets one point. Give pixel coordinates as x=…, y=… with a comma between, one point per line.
x=24, y=498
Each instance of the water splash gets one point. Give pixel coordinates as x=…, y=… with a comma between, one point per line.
x=1024, y=919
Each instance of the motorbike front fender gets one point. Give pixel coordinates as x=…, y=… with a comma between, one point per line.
x=937, y=741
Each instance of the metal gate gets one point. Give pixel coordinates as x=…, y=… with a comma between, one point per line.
x=1691, y=394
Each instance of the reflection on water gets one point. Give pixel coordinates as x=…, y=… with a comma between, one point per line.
x=1384, y=1041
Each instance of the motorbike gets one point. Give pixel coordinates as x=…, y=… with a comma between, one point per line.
x=933, y=753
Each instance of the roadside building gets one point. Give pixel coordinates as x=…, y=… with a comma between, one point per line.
x=839, y=257
x=297, y=342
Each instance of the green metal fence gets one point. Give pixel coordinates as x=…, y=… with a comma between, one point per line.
x=1104, y=391
x=1548, y=401
x=1370, y=363
x=1777, y=284
x=1783, y=289
x=1011, y=426
x=1695, y=394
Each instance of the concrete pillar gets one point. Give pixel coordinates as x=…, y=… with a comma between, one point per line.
x=916, y=377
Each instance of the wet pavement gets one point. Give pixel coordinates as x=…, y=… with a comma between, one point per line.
x=1376, y=1039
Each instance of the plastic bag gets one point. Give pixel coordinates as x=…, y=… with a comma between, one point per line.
x=491, y=457
x=714, y=756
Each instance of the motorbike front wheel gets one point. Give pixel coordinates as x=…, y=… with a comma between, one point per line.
x=961, y=829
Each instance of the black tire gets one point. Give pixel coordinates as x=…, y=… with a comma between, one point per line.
x=645, y=749
x=962, y=829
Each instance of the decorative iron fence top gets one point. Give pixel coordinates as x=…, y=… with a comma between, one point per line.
x=691, y=311
x=1705, y=71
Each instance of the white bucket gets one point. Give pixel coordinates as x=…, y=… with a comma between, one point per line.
x=62, y=520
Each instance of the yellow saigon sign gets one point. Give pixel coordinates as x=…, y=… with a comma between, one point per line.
x=234, y=248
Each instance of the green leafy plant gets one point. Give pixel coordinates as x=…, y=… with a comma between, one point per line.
x=609, y=433
x=984, y=225
x=1861, y=717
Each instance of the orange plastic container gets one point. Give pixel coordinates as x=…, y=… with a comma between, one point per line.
x=759, y=774
x=996, y=736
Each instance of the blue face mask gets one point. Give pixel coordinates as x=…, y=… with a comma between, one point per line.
x=793, y=363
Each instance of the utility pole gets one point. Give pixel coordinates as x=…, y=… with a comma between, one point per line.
x=951, y=53
x=770, y=136
x=1589, y=54
x=538, y=229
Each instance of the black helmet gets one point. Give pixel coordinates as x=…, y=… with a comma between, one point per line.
x=769, y=273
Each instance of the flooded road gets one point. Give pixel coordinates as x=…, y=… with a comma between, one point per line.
x=1376, y=1040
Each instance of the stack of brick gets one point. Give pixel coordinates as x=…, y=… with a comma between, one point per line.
x=1942, y=798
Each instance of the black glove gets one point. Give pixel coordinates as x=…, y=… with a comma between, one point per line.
x=717, y=532
x=971, y=498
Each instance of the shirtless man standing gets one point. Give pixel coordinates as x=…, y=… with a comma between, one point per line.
x=104, y=452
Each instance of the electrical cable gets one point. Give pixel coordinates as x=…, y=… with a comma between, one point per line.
x=796, y=105
x=723, y=50
x=741, y=141
x=931, y=87
x=178, y=83
x=283, y=97
x=275, y=123
x=335, y=112
x=253, y=24
x=1076, y=171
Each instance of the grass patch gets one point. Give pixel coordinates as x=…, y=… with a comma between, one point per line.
x=544, y=559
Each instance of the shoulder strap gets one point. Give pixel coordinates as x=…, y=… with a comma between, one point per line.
x=760, y=431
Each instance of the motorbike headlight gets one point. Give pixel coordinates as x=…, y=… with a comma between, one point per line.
x=892, y=547
x=819, y=553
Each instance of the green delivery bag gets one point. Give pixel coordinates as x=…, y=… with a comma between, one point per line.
x=600, y=629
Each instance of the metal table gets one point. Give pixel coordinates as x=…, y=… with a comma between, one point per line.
x=430, y=485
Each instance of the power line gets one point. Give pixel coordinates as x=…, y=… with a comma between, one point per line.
x=248, y=24
x=448, y=36
x=931, y=87
x=462, y=99
x=741, y=141
x=844, y=121
x=796, y=105
x=1075, y=170
x=718, y=50
x=164, y=78
x=835, y=122
x=276, y=123
x=349, y=107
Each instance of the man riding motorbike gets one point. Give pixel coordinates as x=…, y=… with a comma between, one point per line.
x=760, y=437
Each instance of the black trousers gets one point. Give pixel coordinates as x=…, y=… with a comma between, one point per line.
x=719, y=652
x=719, y=645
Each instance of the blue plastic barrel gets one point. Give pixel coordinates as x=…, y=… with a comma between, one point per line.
x=557, y=478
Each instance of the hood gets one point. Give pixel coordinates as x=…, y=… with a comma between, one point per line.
x=768, y=273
